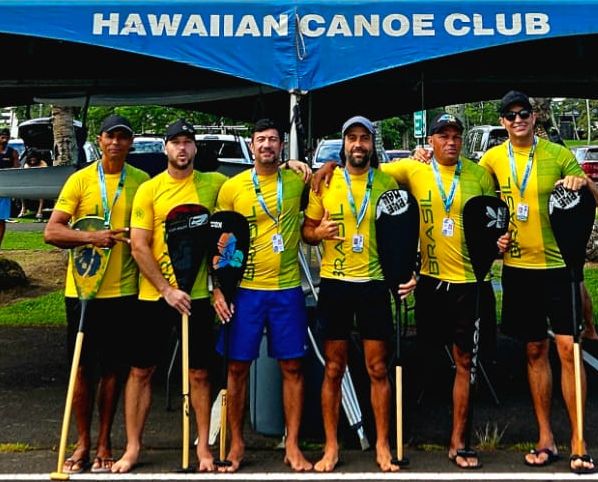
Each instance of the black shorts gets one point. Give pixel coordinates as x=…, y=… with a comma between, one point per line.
x=104, y=328
x=445, y=313
x=341, y=303
x=534, y=297
x=153, y=327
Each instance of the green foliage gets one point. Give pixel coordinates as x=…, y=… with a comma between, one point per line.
x=25, y=240
x=481, y=113
x=489, y=436
x=46, y=310
x=14, y=447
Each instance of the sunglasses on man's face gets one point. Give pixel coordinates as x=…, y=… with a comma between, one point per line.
x=512, y=115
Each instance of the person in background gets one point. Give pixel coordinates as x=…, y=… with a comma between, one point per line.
x=9, y=158
x=33, y=159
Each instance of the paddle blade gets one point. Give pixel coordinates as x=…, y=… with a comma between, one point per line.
x=397, y=236
x=485, y=219
x=186, y=228
x=228, y=249
x=89, y=261
x=571, y=217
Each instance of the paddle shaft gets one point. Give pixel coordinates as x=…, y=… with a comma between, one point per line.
x=576, y=295
x=59, y=474
x=185, y=387
x=474, y=366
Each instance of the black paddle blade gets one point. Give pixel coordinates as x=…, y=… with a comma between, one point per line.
x=485, y=219
x=397, y=236
x=572, y=217
x=186, y=228
x=228, y=249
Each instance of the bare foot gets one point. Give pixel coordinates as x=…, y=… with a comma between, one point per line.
x=295, y=459
x=235, y=457
x=328, y=462
x=205, y=461
x=126, y=463
x=384, y=459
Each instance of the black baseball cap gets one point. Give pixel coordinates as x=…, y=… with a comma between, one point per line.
x=442, y=120
x=5, y=131
x=514, y=97
x=180, y=128
x=114, y=122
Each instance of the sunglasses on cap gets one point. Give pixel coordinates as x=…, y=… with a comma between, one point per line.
x=512, y=115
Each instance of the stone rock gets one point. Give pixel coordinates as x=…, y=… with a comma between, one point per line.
x=11, y=274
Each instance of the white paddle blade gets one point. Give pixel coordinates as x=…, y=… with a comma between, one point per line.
x=215, y=419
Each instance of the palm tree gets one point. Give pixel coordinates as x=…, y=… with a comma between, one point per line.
x=65, y=143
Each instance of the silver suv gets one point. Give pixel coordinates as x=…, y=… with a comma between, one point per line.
x=481, y=138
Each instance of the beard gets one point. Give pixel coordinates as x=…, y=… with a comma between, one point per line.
x=359, y=161
x=177, y=164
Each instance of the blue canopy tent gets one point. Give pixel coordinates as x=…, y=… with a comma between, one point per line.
x=242, y=57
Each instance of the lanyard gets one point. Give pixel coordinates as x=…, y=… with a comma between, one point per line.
x=447, y=200
x=528, y=166
x=260, y=196
x=366, y=198
x=102, y=179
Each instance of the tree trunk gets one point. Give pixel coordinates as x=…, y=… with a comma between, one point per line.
x=65, y=143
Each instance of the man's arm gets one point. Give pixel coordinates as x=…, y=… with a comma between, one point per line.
x=59, y=233
x=300, y=168
x=324, y=174
x=141, y=248
x=15, y=158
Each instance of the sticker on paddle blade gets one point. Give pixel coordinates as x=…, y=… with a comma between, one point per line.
x=572, y=217
x=397, y=236
x=186, y=231
x=485, y=219
x=89, y=261
x=228, y=249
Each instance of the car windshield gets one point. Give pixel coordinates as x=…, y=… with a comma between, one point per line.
x=148, y=146
x=592, y=155
x=329, y=151
x=224, y=149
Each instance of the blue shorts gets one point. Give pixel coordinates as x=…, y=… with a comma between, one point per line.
x=281, y=312
x=4, y=208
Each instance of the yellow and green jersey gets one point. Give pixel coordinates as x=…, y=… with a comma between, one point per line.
x=154, y=200
x=339, y=261
x=442, y=257
x=81, y=196
x=266, y=269
x=532, y=241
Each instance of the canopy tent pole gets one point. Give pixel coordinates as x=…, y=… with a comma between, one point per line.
x=293, y=136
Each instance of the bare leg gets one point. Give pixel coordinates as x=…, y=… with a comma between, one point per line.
x=108, y=393
x=335, y=354
x=461, y=407
x=238, y=372
x=376, y=358
x=200, y=399
x=83, y=408
x=138, y=400
x=292, y=394
x=539, y=376
x=2, y=230
x=589, y=332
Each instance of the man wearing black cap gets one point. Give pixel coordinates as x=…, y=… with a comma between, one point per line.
x=535, y=281
x=446, y=290
x=341, y=217
x=105, y=188
x=162, y=302
x=9, y=157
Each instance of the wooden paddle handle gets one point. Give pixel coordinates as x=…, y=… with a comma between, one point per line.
x=399, y=401
x=185, y=387
x=578, y=398
x=223, y=416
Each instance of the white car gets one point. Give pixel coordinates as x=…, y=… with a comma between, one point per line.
x=232, y=151
x=145, y=144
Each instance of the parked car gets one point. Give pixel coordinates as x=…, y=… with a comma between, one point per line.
x=144, y=144
x=587, y=157
x=395, y=154
x=329, y=150
x=231, y=150
x=481, y=138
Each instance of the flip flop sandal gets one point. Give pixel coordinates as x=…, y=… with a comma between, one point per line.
x=465, y=454
x=550, y=459
x=582, y=470
x=81, y=464
x=102, y=465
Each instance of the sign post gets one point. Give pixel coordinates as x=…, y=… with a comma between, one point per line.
x=419, y=125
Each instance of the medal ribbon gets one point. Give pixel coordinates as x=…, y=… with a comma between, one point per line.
x=260, y=196
x=447, y=200
x=366, y=198
x=528, y=166
x=102, y=180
